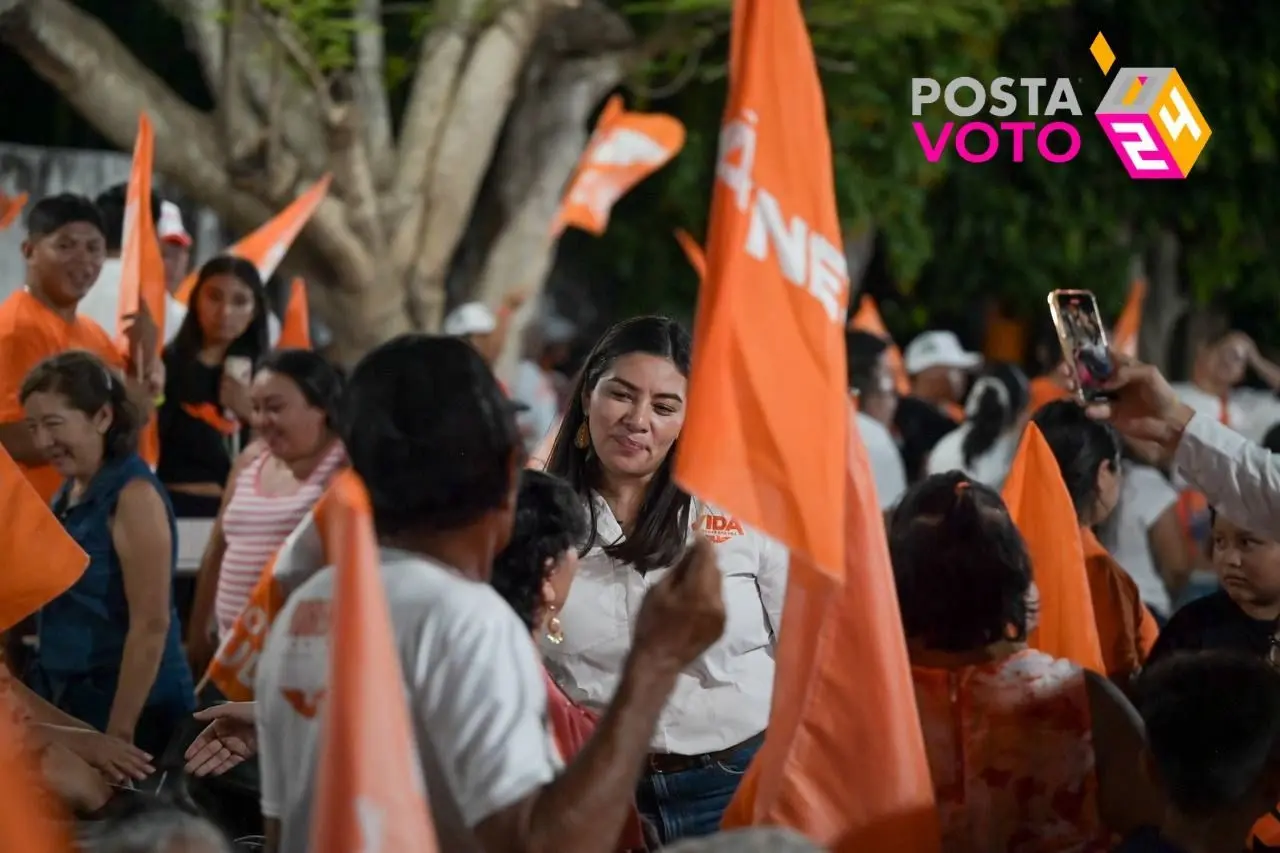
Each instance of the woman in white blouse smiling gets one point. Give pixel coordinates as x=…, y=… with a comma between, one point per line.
x=615, y=446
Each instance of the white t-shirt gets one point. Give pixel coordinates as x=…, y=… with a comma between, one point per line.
x=476, y=694
x=989, y=468
x=102, y=305
x=1250, y=411
x=886, y=460
x=1145, y=495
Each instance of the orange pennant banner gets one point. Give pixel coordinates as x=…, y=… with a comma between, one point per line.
x=867, y=319
x=1124, y=338
x=693, y=252
x=11, y=208
x=295, y=331
x=266, y=247
x=625, y=149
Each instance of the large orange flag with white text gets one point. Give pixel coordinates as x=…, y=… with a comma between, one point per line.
x=1041, y=507
x=844, y=707
x=1124, y=338
x=867, y=319
x=625, y=149
x=370, y=795
x=38, y=558
x=142, y=277
x=295, y=331
x=764, y=431
x=266, y=247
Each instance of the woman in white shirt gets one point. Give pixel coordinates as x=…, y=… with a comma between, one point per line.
x=615, y=447
x=983, y=446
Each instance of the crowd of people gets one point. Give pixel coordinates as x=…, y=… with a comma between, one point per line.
x=588, y=652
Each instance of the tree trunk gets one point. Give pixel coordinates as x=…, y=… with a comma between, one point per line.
x=1165, y=303
x=500, y=102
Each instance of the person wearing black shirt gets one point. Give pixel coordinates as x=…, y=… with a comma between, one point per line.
x=204, y=419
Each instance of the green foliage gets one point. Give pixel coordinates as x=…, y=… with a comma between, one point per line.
x=326, y=27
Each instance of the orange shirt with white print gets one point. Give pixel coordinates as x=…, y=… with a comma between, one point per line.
x=1126, y=628
x=30, y=332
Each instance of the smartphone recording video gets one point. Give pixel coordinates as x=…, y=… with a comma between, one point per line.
x=1083, y=339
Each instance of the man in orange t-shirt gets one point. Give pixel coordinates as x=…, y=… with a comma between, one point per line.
x=64, y=251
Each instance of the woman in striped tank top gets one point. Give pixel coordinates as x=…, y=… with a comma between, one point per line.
x=274, y=483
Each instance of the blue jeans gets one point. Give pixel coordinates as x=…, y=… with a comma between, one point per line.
x=690, y=803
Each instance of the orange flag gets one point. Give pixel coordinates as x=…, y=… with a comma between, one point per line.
x=764, y=432
x=843, y=698
x=693, y=252
x=369, y=795
x=38, y=558
x=267, y=246
x=11, y=208
x=867, y=319
x=1041, y=507
x=142, y=278
x=625, y=149
x=1124, y=338
x=31, y=820
x=295, y=331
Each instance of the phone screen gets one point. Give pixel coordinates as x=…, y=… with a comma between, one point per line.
x=1083, y=338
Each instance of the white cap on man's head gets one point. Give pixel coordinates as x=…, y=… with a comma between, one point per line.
x=170, y=228
x=470, y=318
x=938, y=349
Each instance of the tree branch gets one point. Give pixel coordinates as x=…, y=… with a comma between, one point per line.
x=370, y=85
x=285, y=36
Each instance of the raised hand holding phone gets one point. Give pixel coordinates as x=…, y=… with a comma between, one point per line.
x=1083, y=338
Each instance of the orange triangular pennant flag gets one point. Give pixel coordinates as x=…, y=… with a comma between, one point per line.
x=625, y=149
x=843, y=698
x=266, y=247
x=1124, y=338
x=40, y=560
x=1041, y=507
x=693, y=252
x=370, y=794
x=867, y=319
x=763, y=436
x=295, y=331
x=32, y=821
x=11, y=208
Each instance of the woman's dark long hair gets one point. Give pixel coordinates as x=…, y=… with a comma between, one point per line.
x=995, y=402
x=1081, y=445
x=255, y=341
x=662, y=528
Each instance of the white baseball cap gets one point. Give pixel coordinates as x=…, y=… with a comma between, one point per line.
x=470, y=318
x=170, y=228
x=938, y=349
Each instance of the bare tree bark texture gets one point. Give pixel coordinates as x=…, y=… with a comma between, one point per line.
x=465, y=195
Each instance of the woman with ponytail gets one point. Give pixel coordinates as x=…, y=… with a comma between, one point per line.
x=110, y=652
x=983, y=446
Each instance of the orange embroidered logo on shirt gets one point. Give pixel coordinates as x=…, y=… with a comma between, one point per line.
x=720, y=528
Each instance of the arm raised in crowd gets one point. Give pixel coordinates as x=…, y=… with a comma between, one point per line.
x=583, y=810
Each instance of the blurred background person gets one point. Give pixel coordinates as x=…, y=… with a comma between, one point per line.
x=872, y=387
x=983, y=447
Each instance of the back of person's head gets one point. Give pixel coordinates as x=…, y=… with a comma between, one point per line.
x=1271, y=441
x=863, y=352
x=550, y=519
x=960, y=565
x=432, y=435
x=661, y=531
x=1213, y=731
x=1083, y=447
x=322, y=383
x=86, y=385
x=254, y=342
x=55, y=211
x=111, y=202
x=155, y=827
x=995, y=403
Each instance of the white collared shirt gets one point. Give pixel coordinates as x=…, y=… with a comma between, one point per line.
x=724, y=697
x=1240, y=478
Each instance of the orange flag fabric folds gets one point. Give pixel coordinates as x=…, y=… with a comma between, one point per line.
x=295, y=331
x=843, y=700
x=1041, y=507
x=39, y=559
x=266, y=247
x=370, y=794
x=625, y=149
x=764, y=432
x=11, y=208
x=29, y=821
x=867, y=319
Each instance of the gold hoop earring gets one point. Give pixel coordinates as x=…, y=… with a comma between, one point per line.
x=555, y=632
x=582, y=438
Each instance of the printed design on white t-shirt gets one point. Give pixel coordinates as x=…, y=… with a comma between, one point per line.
x=306, y=636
